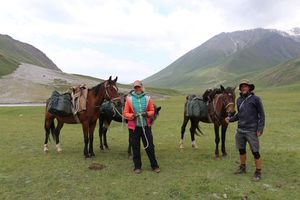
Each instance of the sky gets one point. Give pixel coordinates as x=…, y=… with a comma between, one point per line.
x=133, y=39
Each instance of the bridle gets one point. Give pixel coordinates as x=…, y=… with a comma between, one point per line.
x=107, y=93
x=226, y=105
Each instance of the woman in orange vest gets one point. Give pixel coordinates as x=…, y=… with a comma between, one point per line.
x=138, y=111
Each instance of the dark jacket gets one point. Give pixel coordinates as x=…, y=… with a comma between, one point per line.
x=251, y=115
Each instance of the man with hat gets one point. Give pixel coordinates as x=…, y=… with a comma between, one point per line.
x=138, y=111
x=251, y=122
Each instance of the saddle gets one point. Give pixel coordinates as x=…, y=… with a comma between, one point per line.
x=196, y=107
x=79, y=98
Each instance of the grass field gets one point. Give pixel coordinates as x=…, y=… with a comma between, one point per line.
x=27, y=173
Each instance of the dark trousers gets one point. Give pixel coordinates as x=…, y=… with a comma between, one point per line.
x=134, y=136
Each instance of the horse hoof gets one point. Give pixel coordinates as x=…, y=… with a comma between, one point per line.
x=58, y=148
x=130, y=157
x=181, y=146
x=195, y=146
x=46, y=148
x=217, y=157
x=224, y=155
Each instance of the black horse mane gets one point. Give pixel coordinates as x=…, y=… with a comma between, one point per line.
x=96, y=88
x=209, y=94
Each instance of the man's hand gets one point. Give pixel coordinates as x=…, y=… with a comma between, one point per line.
x=259, y=133
x=134, y=116
x=227, y=120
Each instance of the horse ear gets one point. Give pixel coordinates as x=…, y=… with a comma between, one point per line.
x=159, y=108
x=222, y=88
x=116, y=79
x=109, y=79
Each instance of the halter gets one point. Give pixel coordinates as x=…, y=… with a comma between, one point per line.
x=215, y=99
x=108, y=95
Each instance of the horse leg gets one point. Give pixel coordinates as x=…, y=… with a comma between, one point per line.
x=217, y=140
x=57, y=133
x=85, y=131
x=101, y=132
x=129, y=150
x=47, y=127
x=185, y=121
x=91, y=138
x=106, y=126
x=193, y=131
x=223, y=137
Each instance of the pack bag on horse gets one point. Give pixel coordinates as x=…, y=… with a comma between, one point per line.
x=109, y=113
x=220, y=103
x=88, y=118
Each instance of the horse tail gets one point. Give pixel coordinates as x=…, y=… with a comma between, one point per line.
x=52, y=130
x=198, y=129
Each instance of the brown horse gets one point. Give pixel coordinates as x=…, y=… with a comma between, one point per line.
x=221, y=103
x=88, y=118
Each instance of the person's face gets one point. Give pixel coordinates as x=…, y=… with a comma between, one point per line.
x=245, y=89
x=138, y=89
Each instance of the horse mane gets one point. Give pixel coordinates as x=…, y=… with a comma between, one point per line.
x=95, y=89
x=230, y=89
x=209, y=94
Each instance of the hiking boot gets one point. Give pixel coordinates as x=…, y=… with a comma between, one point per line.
x=241, y=170
x=137, y=171
x=256, y=176
x=157, y=170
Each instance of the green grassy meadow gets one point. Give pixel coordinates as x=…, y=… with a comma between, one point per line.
x=26, y=172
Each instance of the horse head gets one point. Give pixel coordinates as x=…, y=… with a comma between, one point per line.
x=111, y=91
x=228, y=100
x=156, y=113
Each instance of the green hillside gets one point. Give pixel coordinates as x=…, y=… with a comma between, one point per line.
x=226, y=58
x=13, y=51
x=283, y=74
x=7, y=65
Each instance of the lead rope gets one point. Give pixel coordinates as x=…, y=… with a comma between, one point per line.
x=116, y=110
x=144, y=132
x=142, y=123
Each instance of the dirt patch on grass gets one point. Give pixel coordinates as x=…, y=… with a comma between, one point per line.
x=96, y=166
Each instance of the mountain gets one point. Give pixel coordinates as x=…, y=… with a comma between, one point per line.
x=14, y=52
x=227, y=57
x=283, y=74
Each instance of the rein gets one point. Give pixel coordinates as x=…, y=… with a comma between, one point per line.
x=214, y=107
x=108, y=95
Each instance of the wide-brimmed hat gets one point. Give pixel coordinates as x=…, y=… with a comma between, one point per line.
x=246, y=82
x=137, y=83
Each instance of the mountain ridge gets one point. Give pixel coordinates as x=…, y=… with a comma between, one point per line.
x=227, y=57
x=21, y=52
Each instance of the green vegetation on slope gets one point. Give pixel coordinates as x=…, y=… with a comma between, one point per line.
x=7, y=65
x=21, y=52
x=227, y=57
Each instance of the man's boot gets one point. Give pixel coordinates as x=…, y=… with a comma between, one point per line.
x=257, y=173
x=242, y=167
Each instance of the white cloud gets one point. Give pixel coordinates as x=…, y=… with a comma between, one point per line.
x=98, y=64
x=154, y=28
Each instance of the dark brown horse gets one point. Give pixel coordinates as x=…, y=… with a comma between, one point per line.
x=221, y=103
x=88, y=118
